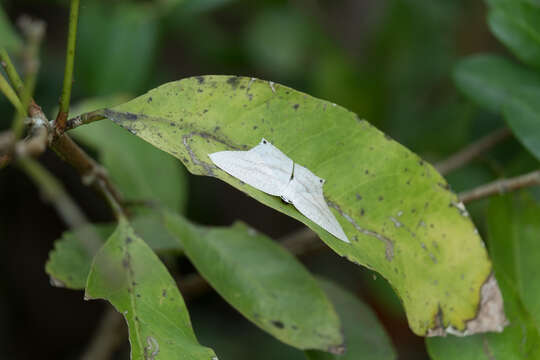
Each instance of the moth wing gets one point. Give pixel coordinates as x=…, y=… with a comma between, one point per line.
x=306, y=194
x=264, y=167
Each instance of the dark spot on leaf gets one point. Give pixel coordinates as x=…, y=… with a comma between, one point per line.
x=164, y=293
x=200, y=90
x=387, y=137
x=134, y=283
x=406, y=169
x=294, y=327
x=138, y=295
x=421, y=162
x=355, y=238
x=255, y=128
x=200, y=79
x=205, y=111
x=233, y=81
x=413, y=211
x=362, y=212
x=296, y=106
x=149, y=99
x=366, y=172
x=172, y=124
x=129, y=240
x=131, y=116
x=381, y=198
x=278, y=324
x=358, y=197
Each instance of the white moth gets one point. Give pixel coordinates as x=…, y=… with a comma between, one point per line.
x=268, y=169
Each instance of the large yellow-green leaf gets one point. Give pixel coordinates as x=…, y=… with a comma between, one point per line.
x=397, y=210
x=262, y=281
x=515, y=247
x=127, y=273
x=365, y=337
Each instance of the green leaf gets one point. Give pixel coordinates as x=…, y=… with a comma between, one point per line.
x=522, y=113
x=397, y=210
x=262, y=281
x=491, y=80
x=69, y=262
x=513, y=228
x=516, y=23
x=141, y=171
x=8, y=37
x=150, y=225
x=365, y=338
x=129, y=275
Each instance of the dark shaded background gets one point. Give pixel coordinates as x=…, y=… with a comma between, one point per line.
x=389, y=61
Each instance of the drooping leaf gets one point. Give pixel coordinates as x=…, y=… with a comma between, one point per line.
x=141, y=171
x=129, y=275
x=491, y=80
x=150, y=225
x=262, y=281
x=403, y=220
x=69, y=262
x=516, y=23
x=522, y=113
x=513, y=238
x=514, y=246
x=365, y=338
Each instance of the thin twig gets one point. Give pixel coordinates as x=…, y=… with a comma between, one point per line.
x=501, y=187
x=108, y=336
x=90, y=171
x=10, y=94
x=34, y=31
x=12, y=74
x=83, y=119
x=55, y=193
x=63, y=112
x=472, y=151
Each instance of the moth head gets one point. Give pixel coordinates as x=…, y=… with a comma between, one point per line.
x=264, y=141
x=321, y=181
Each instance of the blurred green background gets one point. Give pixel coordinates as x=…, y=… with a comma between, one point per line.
x=389, y=61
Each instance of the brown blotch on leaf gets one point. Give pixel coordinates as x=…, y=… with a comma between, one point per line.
x=233, y=81
x=278, y=324
x=296, y=106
